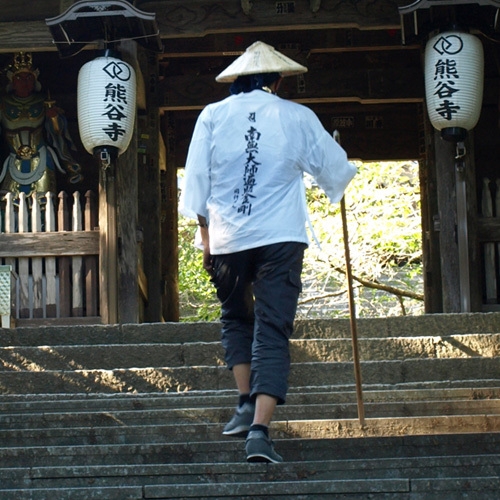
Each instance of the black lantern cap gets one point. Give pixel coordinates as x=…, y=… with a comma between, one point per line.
x=454, y=134
x=427, y=4
x=89, y=21
x=417, y=20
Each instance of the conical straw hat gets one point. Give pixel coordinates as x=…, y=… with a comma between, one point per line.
x=260, y=58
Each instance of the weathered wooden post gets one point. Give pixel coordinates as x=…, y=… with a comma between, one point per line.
x=107, y=98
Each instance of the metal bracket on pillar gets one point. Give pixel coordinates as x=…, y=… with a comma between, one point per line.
x=462, y=232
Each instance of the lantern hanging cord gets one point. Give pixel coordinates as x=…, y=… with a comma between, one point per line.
x=70, y=42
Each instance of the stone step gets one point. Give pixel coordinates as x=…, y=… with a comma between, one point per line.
x=105, y=432
x=453, y=466
x=113, y=356
x=149, y=333
x=404, y=326
x=401, y=326
x=180, y=379
x=387, y=348
x=136, y=411
x=53, y=426
x=485, y=488
x=23, y=404
x=319, y=440
x=419, y=489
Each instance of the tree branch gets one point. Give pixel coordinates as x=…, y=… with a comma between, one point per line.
x=386, y=288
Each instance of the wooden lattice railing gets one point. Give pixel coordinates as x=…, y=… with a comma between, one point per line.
x=52, y=247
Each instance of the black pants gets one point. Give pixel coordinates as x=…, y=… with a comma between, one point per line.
x=259, y=289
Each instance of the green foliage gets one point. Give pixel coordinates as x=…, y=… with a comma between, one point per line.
x=197, y=299
x=384, y=225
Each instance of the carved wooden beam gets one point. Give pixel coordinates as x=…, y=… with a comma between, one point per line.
x=334, y=76
x=247, y=5
x=368, y=87
x=178, y=18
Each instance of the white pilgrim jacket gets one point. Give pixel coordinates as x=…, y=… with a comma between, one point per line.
x=245, y=166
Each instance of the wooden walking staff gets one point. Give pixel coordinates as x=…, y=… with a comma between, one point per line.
x=352, y=307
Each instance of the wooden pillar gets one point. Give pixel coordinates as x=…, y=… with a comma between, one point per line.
x=118, y=230
x=446, y=170
x=431, y=262
x=127, y=217
x=107, y=246
x=63, y=224
x=447, y=223
x=126, y=199
x=149, y=194
x=170, y=227
x=475, y=285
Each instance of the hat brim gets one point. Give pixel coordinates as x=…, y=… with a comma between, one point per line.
x=260, y=58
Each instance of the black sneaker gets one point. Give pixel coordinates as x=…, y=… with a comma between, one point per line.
x=260, y=448
x=241, y=421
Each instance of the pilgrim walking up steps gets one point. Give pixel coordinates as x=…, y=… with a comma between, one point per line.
x=136, y=412
x=244, y=184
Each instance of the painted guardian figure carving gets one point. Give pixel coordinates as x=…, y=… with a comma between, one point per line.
x=36, y=133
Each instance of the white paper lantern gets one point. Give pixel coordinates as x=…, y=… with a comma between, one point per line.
x=106, y=104
x=454, y=75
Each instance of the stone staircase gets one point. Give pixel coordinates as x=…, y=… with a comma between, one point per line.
x=136, y=412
